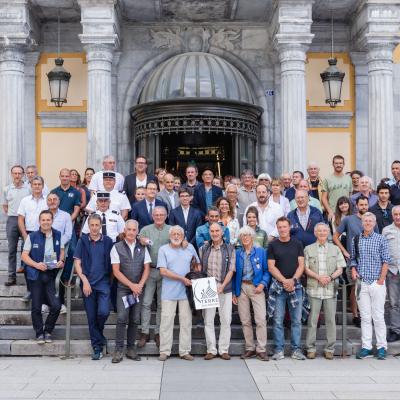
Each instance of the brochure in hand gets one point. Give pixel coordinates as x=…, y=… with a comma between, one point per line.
x=50, y=261
x=130, y=300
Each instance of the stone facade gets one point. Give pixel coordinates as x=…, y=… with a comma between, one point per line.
x=124, y=44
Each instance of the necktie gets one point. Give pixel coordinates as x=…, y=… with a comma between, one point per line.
x=104, y=225
x=151, y=210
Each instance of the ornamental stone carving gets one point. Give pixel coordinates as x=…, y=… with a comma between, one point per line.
x=196, y=39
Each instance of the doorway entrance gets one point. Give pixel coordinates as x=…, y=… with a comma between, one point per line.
x=205, y=151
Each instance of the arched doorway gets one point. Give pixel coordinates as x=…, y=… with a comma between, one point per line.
x=196, y=107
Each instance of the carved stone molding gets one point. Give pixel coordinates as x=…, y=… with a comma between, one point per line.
x=322, y=119
x=196, y=38
x=65, y=119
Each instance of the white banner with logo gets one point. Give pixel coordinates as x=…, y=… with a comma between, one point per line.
x=205, y=293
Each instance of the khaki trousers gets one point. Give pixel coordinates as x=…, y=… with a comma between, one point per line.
x=225, y=317
x=247, y=297
x=168, y=312
x=330, y=323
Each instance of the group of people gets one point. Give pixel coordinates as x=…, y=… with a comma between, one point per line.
x=278, y=246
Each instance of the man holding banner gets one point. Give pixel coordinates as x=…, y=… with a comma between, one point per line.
x=218, y=261
x=174, y=262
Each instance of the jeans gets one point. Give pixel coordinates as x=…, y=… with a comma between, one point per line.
x=130, y=316
x=13, y=236
x=393, y=289
x=97, y=309
x=153, y=284
x=295, y=318
x=44, y=288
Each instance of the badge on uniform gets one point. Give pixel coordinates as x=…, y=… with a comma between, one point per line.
x=70, y=195
x=35, y=246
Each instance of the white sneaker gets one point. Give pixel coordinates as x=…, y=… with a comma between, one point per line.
x=63, y=309
x=278, y=356
x=45, y=309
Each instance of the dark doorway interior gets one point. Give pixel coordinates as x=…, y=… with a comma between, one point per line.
x=215, y=151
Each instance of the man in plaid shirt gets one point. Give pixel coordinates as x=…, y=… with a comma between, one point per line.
x=369, y=262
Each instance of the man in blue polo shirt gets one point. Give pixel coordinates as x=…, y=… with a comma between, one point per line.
x=93, y=266
x=70, y=198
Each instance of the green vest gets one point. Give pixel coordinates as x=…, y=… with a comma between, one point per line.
x=311, y=254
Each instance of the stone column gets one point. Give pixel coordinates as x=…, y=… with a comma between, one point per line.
x=11, y=110
x=293, y=107
x=99, y=113
x=380, y=118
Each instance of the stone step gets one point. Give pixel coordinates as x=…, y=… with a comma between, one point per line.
x=82, y=347
x=25, y=332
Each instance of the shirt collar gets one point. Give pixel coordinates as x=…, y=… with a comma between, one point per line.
x=41, y=197
x=130, y=245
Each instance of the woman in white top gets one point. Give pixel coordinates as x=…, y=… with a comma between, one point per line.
x=228, y=219
x=277, y=197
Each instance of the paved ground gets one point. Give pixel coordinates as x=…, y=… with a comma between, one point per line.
x=81, y=378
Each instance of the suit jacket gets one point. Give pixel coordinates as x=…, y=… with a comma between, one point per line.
x=164, y=196
x=141, y=215
x=199, y=196
x=130, y=185
x=194, y=220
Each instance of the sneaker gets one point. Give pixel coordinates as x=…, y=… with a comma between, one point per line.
x=163, y=357
x=27, y=297
x=47, y=337
x=364, y=353
x=40, y=339
x=97, y=355
x=63, y=309
x=278, y=356
x=298, y=355
x=117, y=357
x=45, y=309
x=381, y=354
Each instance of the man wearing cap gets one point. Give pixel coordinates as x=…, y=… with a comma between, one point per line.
x=119, y=201
x=97, y=180
x=112, y=224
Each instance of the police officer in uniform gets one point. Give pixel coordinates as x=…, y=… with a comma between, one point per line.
x=119, y=201
x=112, y=223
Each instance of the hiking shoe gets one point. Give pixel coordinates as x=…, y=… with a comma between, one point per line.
x=311, y=355
x=328, y=355
x=117, y=357
x=278, y=356
x=97, y=355
x=298, y=355
x=364, y=353
x=40, y=339
x=381, y=354
x=132, y=355
x=47, y=337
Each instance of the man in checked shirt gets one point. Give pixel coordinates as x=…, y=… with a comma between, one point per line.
x=369, y=265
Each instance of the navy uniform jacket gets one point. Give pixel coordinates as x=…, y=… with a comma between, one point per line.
x=141, y=215
x=199, y=196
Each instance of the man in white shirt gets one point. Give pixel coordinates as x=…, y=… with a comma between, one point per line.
x=119, y=201
x=268, y=211
x=112, y=224
x=61, y=219
x=97, y=180
x=32, y=171
x=28, y=215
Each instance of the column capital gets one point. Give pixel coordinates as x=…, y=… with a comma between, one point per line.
x=17, y=26
x=100, y=22
x=376, y=23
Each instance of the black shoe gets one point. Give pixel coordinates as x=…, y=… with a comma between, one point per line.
x=10, y=282
x=393, y=337
x=357, y=322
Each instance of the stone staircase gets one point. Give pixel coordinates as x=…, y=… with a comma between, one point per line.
x=16, y=333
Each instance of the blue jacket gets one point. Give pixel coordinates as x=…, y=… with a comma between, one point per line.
x=194, y=220
x=38, y=241
x=199, y=196
x=296, y=230
x=203, y=234
x=141, y=215
x=258, y=259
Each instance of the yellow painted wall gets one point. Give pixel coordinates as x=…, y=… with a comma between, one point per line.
x=61, y=147
x=324, y=143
